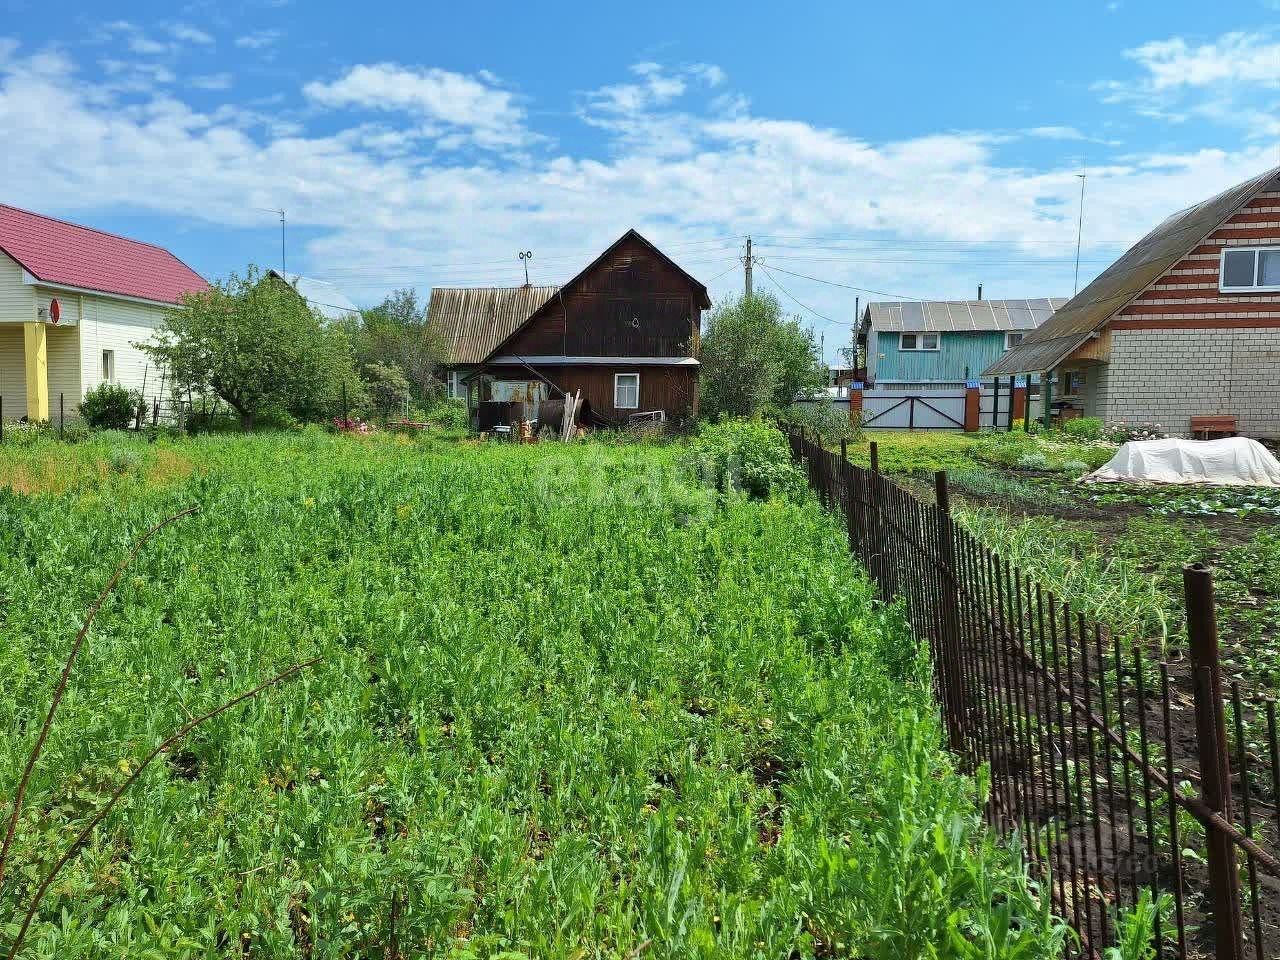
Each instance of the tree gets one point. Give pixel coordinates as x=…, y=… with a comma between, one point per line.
x=258, y=346
x=395, y=333
x=755, y=359
x=388, y=387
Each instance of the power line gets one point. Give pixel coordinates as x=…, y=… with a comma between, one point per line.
x=775, y=282
x=972, y=263
x=1010, y=242
x=846, y=286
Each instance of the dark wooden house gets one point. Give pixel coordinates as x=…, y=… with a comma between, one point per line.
x=624, y=332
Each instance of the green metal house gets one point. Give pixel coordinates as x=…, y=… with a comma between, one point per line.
x=943, y=342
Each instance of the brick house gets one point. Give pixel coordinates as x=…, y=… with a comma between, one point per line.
x=1185, y=324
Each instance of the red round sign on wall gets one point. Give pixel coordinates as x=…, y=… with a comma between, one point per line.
x=55, y=310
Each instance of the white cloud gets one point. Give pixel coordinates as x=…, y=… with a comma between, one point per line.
x=212, y=81
x=1249, y=58
x=186, y=33
x=258, y=40
x=383, y=205
x=1052, y=132
x=490, y=115
x=1231, y=80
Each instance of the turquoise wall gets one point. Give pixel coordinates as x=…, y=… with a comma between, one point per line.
x=976, y=351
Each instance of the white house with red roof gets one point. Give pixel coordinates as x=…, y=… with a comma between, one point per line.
x=73, y=302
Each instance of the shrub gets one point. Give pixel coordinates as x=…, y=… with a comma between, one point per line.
x=122, y=460
x=449, y=415
x=831, y=422
x=747, y=455
x=1084, y=428
x=1075, y=467
x=1121, y=432
x=110, y=406
x=1032, y=461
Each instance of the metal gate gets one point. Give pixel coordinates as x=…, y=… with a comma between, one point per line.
x=914, y=410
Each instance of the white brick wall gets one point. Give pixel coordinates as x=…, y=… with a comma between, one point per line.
x=1167, y=377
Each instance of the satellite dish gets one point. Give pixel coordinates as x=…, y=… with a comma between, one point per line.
x=55, y=311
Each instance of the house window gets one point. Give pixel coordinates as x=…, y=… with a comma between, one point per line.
x=1012, y=339
x=1250, y=270
x=109, y=366
x=918, y=341
x=455, y=384
x=626, y=391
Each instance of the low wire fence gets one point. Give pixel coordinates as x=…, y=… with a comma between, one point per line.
x=1134, y=784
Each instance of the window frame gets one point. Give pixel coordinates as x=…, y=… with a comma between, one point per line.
x=919, y=339
x=1020, y=334
x=617, y=377
x=1257, y=252
x=108, y=366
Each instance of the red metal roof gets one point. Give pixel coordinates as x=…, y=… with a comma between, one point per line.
x=58, y=252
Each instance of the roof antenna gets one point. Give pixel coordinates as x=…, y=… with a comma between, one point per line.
x=525, y=257
x=1083, y=175
x=281, y=213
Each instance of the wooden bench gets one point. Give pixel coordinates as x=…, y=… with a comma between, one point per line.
x=1210, y=428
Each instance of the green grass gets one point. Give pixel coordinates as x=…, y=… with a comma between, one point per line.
x=571, y=705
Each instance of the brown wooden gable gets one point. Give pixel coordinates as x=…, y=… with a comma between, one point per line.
x=631, y=302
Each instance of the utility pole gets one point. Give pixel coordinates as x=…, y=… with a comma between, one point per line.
x=747, y=263
x=282, y=267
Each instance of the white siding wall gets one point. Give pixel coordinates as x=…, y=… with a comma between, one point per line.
x=13, y=373
x=117, y=325
x=17, y=305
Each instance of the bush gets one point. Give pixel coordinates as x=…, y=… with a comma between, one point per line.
x=1120, y=432
x=747, y=455
x=449, y=415
x=110, y=406
x=830, y=421
x=1084, y=428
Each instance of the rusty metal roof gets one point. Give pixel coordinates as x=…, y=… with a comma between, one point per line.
x=472, y=321
x=1090, y=309
x=959, y=316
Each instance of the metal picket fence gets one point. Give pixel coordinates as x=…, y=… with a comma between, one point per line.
x=1130, y=780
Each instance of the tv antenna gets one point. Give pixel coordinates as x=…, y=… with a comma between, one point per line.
x=525, y=257
x=280, y=213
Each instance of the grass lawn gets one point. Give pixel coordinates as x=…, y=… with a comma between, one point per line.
x=571, y=704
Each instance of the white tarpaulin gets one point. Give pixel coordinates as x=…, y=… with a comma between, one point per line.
x=1233, y=462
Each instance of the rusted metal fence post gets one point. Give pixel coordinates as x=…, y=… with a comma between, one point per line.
x=1215, y=764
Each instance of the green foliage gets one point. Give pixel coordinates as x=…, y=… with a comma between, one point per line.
x=829, y=421
x=449, y=415
x=1136, y=928
x=395, y=334
x=570, y=705
x=1083, y=428
x=999, y=486
x=754, y=359
x=256, y=344
x=110, y=406
x=751, y=456
x=388, y=388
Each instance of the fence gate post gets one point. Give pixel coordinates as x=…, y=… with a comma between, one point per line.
x=1215, y=763
x=948, y=616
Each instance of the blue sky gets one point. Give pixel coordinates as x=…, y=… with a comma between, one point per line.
x=913, y=150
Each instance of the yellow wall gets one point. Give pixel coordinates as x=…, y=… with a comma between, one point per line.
x=37, y=370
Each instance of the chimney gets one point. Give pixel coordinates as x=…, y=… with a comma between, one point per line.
x=979, y=291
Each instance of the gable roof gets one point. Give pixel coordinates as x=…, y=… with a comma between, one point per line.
x=704, y=300
x=1113, y=289
x=959, y=316
x=473, y=321
x=319, y=295
x=67, y=254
